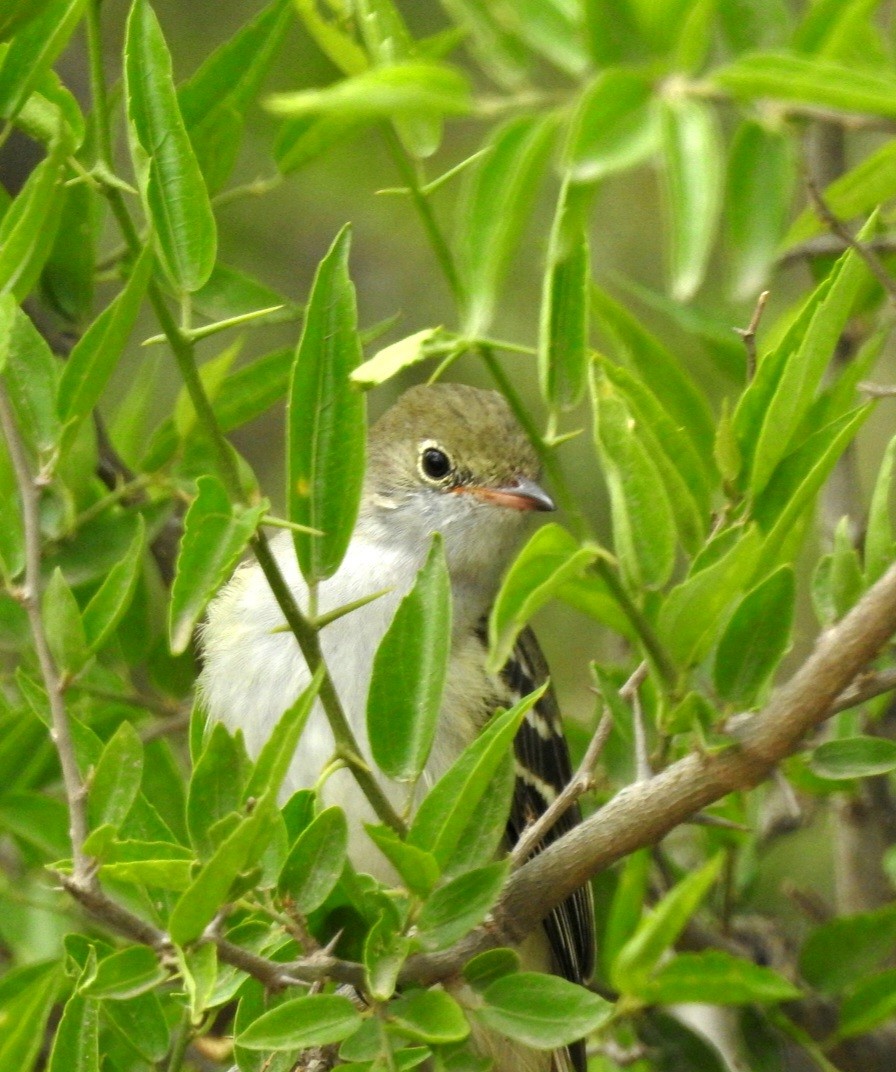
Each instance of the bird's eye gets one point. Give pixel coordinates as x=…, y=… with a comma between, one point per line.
x=435, y=463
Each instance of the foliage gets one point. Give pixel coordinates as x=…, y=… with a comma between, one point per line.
x=712, y=497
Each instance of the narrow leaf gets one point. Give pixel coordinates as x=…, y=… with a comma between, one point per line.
x=116, y=778
x=854, y=757
x=33, y=50
x=879, y=534
x=717, y=978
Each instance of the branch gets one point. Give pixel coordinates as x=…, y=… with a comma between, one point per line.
x=748, y=334
x=29, y=596
x=643, y=813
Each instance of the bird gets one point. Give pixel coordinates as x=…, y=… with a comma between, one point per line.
x=445, y=458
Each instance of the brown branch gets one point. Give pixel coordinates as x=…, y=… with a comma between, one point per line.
x=839, y=228
x=29, y=596
x=748, y=334
x=643, y=813
x=865, y=687
x=826, y=245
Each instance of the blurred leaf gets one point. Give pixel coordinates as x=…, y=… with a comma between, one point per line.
x=212, y=374
x=313, y=1020
x=564, y=320
x=693, y=166
x=398, y=356
x=551, y=558
x=659, y=929
x=429, y=1016
x=543, y=1011
x=304, y=138
x=338, y=46
x=116, y=778
x=494, y=209
x=692, y=611
x=25, y=1019
x=448, y=807
x=856, y=193
x=29, y=224
x=125, y=974
x=92, y=361
x=140, y=1021
x=879, y=545
x=216, y=787
x=787, y=77
x=403, y=90
x=408, y=676
x=33, y=51
x=499, y=52
x=173, y=191
x=214, y=101
x=110, y=602
x=871, y=1002
x=63, y=625
x=802, y=373
x=251, y=390
x=615, y=125
x=658, y=367
x=841, y=952
x=627, y=906
x=755, y=638
x=417, y=867
x=67, y=278
x=228, y=293
x=695, y=38
x=761, y=179
x=279, y=749
x=18, y=12
x=315, y=861
x=643, y=525
x=326, y=438
x=215, y=535
x=457, y=907
x=854, y=757
x=76, y=1041
x=553, y=29
x=717, y=978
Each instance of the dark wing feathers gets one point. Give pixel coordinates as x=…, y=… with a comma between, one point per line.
x=543, y=769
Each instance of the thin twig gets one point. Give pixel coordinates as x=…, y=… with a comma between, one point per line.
x=826, y=245
x=878, y=390
x=839, y=228
x=581, y=782
x=30, y=597
x=748, y=334
x=865, y=687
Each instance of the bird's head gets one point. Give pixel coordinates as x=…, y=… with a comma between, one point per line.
x=452, y=459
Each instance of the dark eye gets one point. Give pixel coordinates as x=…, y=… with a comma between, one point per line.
x=435, y=463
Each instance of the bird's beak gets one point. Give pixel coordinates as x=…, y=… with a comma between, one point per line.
x=519, y=494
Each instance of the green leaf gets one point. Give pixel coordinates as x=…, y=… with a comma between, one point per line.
x=802, y=373
x=564, y=320
x=29, y=224
x=485, y=968
x=787, y=77
x=216, y=786
x=550, y=559
x=89, y=366
x=315, y=861
x=63, y=625
x=408, y=676
x=116, y=778
x=398, y=356
x=125, y=974
x=110, y=602
x=306, y=137
x=417, y=867
x=171, y=185
x=627, y=905
x=199, y=903
x=692, y=611
x=482, y=837
x=717, y=978
x=215, y=535
x=614, y=127
x=448, y=807
x=843, y=951
x=755, y=638
x=658, y=930
x=76, y=1043
x=761, y=176
x=141, y=1023
x=879, y=545
x=214, y=101
x=67, y=278
x=693, y=161
x=429, y=1016
x=870, y=1003
x=457, y=907
x=854, y=757
x=33, y=50
x=643, y=524
x=400, y=91
x=326, y=439
x=336, y=44
x=658, y=367
x=25, y=1019
x=385, y=951
x=542, y=1011
x=856, y=193
x=313, y=1020
x=494, y=209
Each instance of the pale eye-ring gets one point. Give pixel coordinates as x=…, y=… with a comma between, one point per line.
x=435, y=463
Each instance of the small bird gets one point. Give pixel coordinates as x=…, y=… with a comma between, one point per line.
x=445, y=458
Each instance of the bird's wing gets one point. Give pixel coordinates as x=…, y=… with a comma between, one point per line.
x=542, y=770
